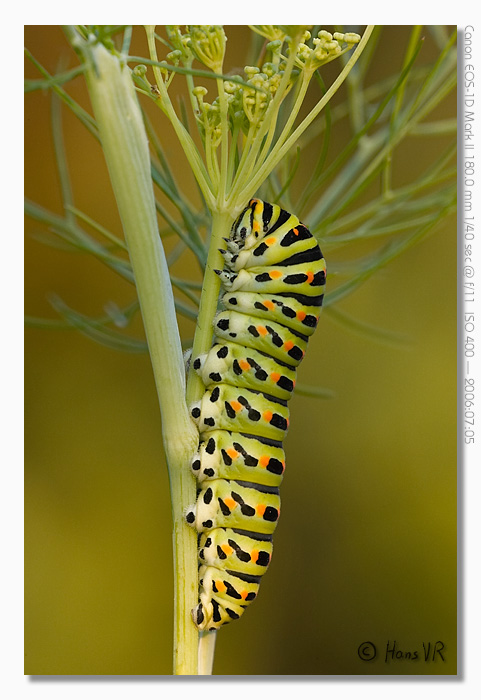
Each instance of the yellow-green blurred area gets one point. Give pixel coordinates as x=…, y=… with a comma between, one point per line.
x=366, y=546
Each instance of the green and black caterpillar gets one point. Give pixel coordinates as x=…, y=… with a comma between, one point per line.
x=273, y=282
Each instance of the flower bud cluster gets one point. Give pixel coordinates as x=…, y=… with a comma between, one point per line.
x=255, y=100
x=180, y=42
x=282, y=32
x=208, y=115
x=207, y=42
x=269, y=31
x=247, y=103
x=325, y=48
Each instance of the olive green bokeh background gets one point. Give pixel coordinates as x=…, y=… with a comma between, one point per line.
x=366, y=545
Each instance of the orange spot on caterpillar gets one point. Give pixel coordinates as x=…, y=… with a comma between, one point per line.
x=227, y=549
x=310, y=277
x=236, y=406
x=269, y=305
x=260, y=509
x=301, y=315
x=233, y=454
x=243, y=364
x=256, y=227
x=288, y=345
x=264, y=461
x=270, y=241
x=275, y=376
x=267, y=416
x=221, y=587
x=262, y=330
x=230, y=503
x=254, y=555
x=295, y=231
x=243, y=594
x=275, y=274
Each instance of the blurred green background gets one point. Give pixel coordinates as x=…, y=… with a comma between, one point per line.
x=366, y=546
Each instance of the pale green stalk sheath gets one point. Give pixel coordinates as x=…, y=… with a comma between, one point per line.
x=206, y=652
x=221, y=224
x=126, y=151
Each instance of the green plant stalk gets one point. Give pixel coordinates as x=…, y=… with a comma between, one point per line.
x=306, y=79
x=224, y=141
x=221, y=224
x=233, y=153
x=126, y=151
x=277, y=154
x=207, y=641
x=190, y=149
x=411, y=50
x=245, y=166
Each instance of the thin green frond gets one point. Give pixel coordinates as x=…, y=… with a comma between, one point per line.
x=382, y=258
x=97, y=331
x=290, y=178
x=117, y=242
x=314, y=392
x=79, y=112
x=195, y=72
x=359, y=327
x=55, y=80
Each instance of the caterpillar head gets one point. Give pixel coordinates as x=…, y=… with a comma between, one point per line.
x=248, y=227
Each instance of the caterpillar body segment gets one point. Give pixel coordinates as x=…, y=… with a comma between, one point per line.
x=229, y=549
x=245, y=367
x=271, y=338
x=308, y=280
x=223, y=596
x=235, y=504
x=273, y=279
x=228, y=455
x=288, y=311
x=226, y=407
